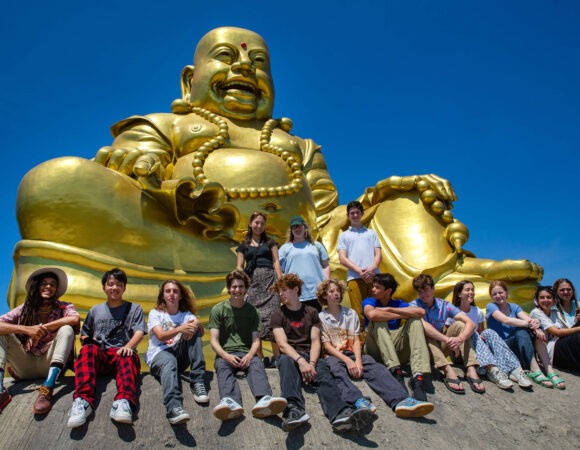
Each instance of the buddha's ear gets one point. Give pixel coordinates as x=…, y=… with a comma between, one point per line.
x=186, y=76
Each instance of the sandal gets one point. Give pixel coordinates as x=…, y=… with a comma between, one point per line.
x=449, y=381
x=539, y=378
x=556, y=381
x=474, y=383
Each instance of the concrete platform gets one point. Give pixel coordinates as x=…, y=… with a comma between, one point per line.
x=541, y=419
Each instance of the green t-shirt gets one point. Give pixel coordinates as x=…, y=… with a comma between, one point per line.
x=235, y=325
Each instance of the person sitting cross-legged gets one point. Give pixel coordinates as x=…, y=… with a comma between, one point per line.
x=340, y=330
x=234, y=328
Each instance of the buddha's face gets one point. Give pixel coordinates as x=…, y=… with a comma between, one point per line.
x=231, y=75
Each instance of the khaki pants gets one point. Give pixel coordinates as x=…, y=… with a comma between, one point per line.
x=26, y=365
x=404, y=345
x=358, y=290
x=439, y=350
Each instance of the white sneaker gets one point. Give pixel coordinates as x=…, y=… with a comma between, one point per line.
x=499, y=378
x=519, y=376
x=80, y=410
x=269, y=406
x=121, y=411
x=228, y=409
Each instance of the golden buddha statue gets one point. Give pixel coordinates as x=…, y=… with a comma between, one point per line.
x=174, y=191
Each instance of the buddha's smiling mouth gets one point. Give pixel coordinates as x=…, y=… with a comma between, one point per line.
x=237, y=88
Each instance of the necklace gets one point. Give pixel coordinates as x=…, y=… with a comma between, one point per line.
x=265, y=146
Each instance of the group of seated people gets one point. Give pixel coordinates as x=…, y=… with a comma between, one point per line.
x=324, y=349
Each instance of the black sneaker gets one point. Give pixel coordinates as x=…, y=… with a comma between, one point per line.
x=416, y=385
x=266, y=362
x=398, y=374
x=199, y=392
x=294, y=417
x=350, y=419
x=177, y=415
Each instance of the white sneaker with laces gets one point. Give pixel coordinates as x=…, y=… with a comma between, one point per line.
x=78, y=413
x=499, y=378
x=519, y=376
x=269, y=406
x=228, y=409
x=121, y=411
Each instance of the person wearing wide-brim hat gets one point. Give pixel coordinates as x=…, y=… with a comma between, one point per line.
x=37, y=337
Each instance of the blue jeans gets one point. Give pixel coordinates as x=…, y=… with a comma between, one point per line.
x=522, y=344
x=168, y=363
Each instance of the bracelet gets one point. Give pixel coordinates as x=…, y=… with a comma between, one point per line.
x=313, y=363
x=298, y=359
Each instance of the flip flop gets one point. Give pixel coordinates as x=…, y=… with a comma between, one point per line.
x=556, y=380
x=449, y=381
x=473, y=382
x=539, y=378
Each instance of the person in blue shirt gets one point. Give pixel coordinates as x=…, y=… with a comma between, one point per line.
x=443, y=341
x=394, y=333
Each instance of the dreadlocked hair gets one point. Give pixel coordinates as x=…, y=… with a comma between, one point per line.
x=30, y=314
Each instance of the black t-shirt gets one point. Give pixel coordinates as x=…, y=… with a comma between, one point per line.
x=263, y=253
x=297, y=325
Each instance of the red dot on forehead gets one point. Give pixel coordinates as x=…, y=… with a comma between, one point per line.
x=244, y=45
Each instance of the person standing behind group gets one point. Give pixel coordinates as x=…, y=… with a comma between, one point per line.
x=522, y=334
x=174, y=345
x=258, y=258
x=307, y=259
x=37, y=337
x=564, y=343
x=491, y=351
x=109, y=336
x=359, y=250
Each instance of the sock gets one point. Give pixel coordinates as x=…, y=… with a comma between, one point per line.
x=1, y=380
x=53, y=374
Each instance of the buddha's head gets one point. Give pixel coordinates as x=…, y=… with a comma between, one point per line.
x=231, y=75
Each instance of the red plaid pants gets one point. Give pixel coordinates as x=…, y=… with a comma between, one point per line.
x=92, y=361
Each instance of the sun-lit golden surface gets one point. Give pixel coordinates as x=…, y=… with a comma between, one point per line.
x=173, y=192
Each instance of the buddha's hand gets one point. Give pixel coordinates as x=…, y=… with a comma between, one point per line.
x=435, y=192
x=145, y=165
x=434, y=185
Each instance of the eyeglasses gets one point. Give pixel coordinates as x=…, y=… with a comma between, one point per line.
x=294, y=227
x=52, y=285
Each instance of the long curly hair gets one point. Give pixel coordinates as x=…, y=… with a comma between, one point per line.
x=186, y=300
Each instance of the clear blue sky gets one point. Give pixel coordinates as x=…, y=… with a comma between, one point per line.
x=484, y=93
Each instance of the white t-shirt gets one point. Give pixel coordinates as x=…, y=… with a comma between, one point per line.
x=167, y=322
x=475, y=314
x=554, y=320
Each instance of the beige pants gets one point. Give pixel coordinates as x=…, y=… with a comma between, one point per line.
x=401, y=346
x=439, y=350
x=26, y=365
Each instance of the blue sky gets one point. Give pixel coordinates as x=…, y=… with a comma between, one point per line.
x=485, y=94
